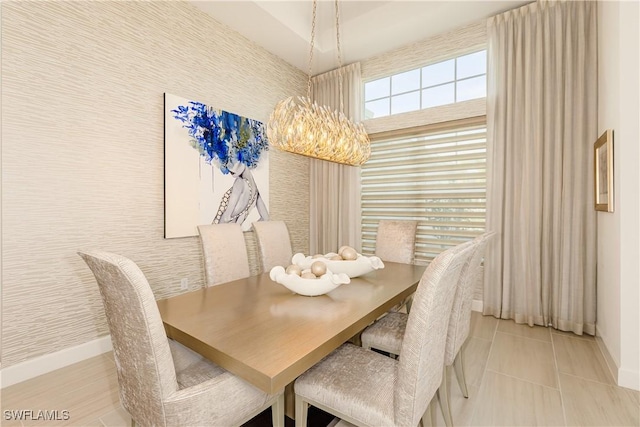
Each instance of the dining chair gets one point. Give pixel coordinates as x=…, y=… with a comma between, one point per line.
x=274, y=244
x=368, y=389
x=162, y=383
x=395, y=242
x=224, y=253
x=387, y=333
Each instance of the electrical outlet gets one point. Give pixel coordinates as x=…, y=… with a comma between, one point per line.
x=184, y=284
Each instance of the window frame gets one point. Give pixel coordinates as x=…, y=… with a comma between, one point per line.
x=421, y=88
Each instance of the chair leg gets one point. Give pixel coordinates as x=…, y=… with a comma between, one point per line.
x=433, y=407
x=444, y=395
x=429, y=418
x=459, y=369
x=277, y=412
x=133, y=422
x=302, y=410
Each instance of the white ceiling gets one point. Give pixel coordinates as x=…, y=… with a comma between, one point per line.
x=367, y=28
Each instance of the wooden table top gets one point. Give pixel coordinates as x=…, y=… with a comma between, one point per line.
x=264, y=333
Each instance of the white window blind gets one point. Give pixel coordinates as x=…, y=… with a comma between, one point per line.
x=436, y=175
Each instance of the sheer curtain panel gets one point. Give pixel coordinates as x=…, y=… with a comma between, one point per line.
x=541, y=125
x=334, y=193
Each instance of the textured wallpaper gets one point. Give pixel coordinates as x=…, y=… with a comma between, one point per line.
x=443, y=46
x=82, y=152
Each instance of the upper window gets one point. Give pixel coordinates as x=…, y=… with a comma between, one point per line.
x=446, y=82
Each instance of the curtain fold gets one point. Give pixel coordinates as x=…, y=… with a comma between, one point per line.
x=541, y=126
x=334, y=211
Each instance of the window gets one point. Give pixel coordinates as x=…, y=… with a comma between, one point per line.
x=445, y=82
x=435, y=175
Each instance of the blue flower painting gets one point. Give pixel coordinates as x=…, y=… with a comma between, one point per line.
x=222, y=137
x=216, y=167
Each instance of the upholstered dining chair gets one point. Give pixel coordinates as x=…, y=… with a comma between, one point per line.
x=387, y=333
x=224, y=253
x=274, y=244
x=161, y=382
x=396, y=240
x=368, y=389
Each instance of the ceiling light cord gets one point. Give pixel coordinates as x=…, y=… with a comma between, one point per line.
x=339, y=57
x=313, y=35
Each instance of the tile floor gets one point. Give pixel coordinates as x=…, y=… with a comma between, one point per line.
x=517, y=376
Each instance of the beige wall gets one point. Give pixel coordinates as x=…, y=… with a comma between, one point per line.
x=82, y=152
x=618, y=299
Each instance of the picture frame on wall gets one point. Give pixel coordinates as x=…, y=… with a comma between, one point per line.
x=216, y=167
x=603, y=172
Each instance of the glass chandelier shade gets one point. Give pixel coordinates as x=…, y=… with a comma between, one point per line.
x=300, y=126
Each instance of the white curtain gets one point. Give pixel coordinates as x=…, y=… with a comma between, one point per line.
x=541, y=125
x=334, y=211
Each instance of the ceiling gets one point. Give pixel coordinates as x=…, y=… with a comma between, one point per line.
x=367, y=28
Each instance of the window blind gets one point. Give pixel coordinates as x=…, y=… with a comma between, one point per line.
x=435, y=175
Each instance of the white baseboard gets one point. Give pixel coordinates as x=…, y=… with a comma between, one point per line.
x=611, y=364
x=629, y=379
x=50, y=362
x=623, y=377
x=477, y=305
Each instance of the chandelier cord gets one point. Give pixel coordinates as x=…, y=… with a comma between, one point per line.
x=313, y=35
x=339, y=56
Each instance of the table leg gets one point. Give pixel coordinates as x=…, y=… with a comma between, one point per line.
x=356, y=339
x=289, y=401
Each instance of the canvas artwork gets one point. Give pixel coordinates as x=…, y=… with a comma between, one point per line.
x=216, y=167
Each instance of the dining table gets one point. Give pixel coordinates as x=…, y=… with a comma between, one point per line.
x=264, y=333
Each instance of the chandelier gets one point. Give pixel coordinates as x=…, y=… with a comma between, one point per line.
x=300, y=126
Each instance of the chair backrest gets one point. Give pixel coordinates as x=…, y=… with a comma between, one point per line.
x=396, y=240
x=144, y=365
x=423, y=346
x=460, y=321
x=274, y=244
x=224, y=253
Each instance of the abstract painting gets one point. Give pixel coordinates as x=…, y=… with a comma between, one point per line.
x=216, y=167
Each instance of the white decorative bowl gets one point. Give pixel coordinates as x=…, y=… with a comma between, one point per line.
x=358, y=267
x=308, y=287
